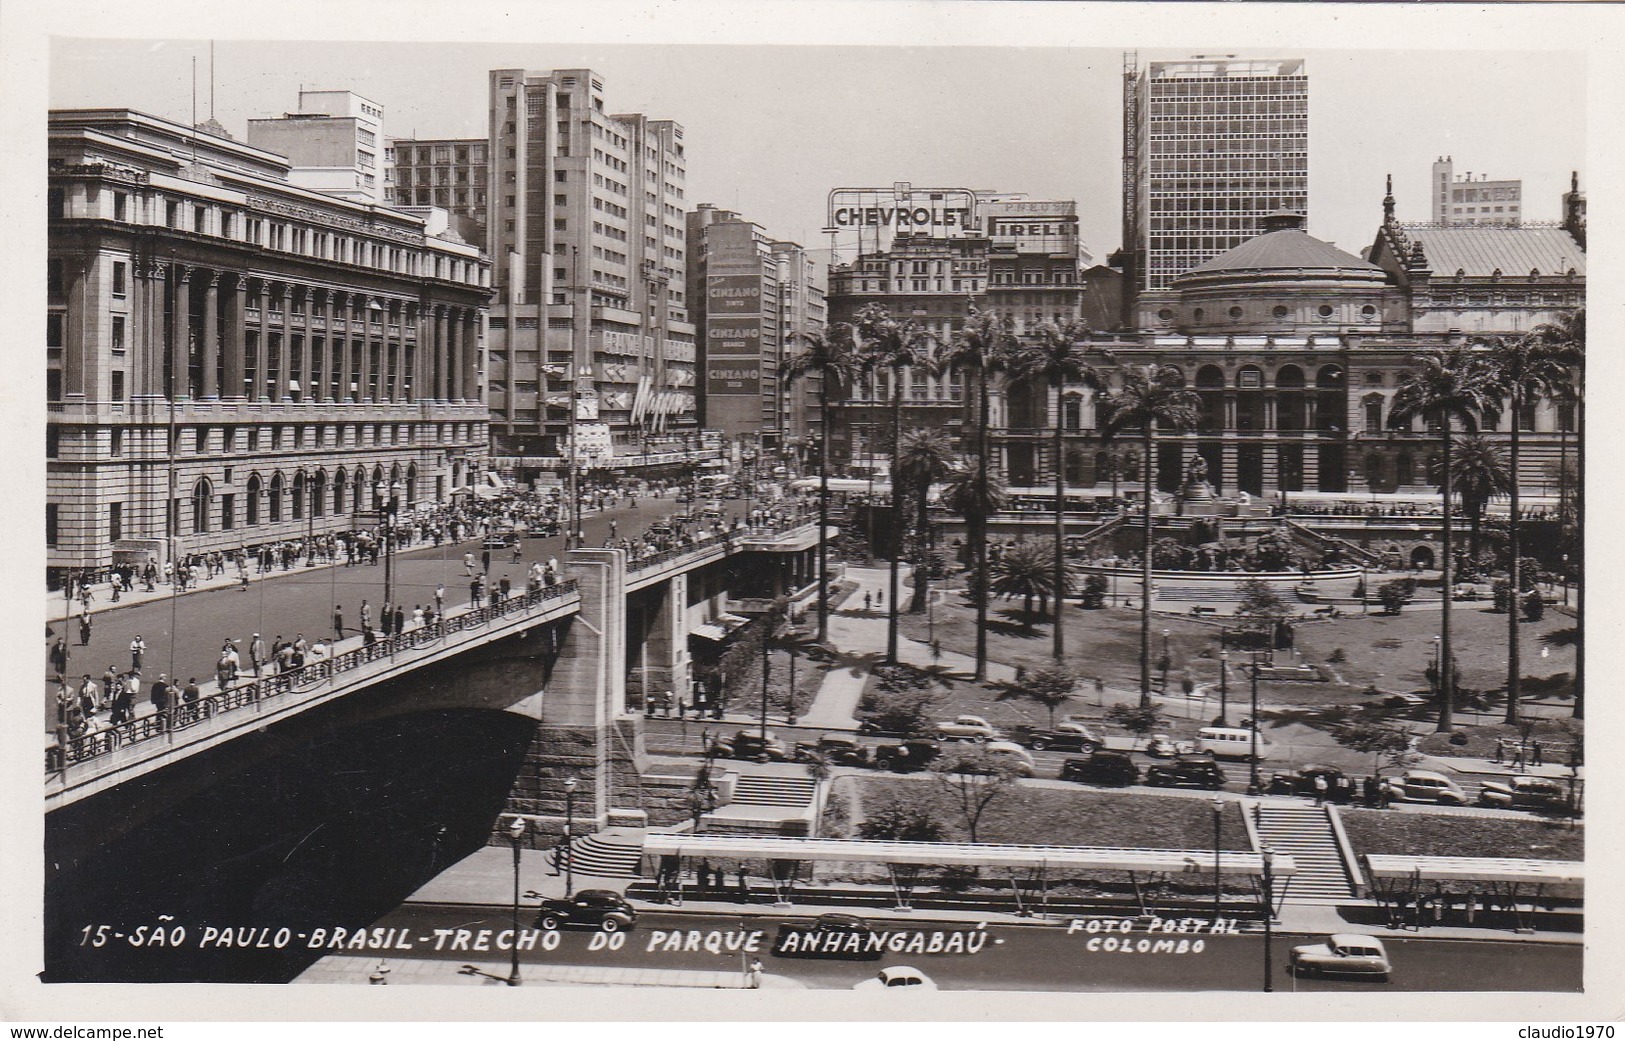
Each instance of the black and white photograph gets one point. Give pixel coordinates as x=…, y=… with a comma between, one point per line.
x=1058, y=499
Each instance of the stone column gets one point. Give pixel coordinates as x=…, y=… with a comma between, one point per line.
x=179, y=333
x=209, y=342
x=388, y=360
x=1311, y=465
x=454, y=354
x=316, y=366
x=262, y=349
x=149, y=331
x=471, y=353
x=442, y=359
x=236, y=313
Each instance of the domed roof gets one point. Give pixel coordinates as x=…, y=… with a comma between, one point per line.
x=1284, y=246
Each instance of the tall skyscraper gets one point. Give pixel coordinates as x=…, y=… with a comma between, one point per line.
x=585, y=217
x=1212, y=145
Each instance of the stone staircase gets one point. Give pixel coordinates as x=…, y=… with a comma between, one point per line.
x=613, y=853
x=1305, y=833
x=774, y=790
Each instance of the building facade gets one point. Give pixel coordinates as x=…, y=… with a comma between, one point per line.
x=335, y=142
x=1212, y=145
x=449, y=173
x=752, y=297
x=590, y=331
x=1004, y=253
x=267, y=360
x=1463, y=200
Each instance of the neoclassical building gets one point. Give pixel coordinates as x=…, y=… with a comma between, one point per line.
x=268, y=360
x=1296, y=349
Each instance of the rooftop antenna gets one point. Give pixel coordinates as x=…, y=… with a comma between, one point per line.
x=194, y=108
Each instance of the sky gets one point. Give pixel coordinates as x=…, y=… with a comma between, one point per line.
x=771, y=128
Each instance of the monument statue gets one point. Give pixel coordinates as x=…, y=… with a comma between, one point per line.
x=1196, y=488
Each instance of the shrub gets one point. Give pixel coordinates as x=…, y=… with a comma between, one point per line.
x=1458, y=738
x=1337, y=657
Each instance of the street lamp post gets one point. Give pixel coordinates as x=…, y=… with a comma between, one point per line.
x=1438, y=677
x=310, y=525
x=391, y=506
x=1253, y=785
x=1269, y=918
x=1218, y=821
x=569, y=837
x=516, y=833
x=1167, y=662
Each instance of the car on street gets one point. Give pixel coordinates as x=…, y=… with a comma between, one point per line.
x=1302, y=780
x=997, y=755
x=501, y=539
x=835, y=749
x=748, y=745
x=831, y=935
x=897, y=976
x=1161, y=746
x=1424, y=786
x=602, y=909
x=906, y=756
x=1065, y=737
x=1522, y=792
x=1342, y=954
x=1112, y=769
x=1187, y=771
x=968, y=728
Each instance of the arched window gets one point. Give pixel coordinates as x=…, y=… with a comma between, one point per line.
x=411, y=493
x=1373, y=471
x=380, y=494
x=201, y=496
x=299, y=493
x=274, y=505
x=340, y=480
x=1404, y=470
x=255, y=488
x=318, y=493
x=1210, y=391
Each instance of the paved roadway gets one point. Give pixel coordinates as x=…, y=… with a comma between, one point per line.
x=301, y=600
x=1017, y=957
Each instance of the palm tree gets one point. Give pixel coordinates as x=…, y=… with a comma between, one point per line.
x=1057, y=354
x=1152, y=398
x=1024, y=570
x=775, y=624
x=831, y=354
x=925, y=457
x=1567, y=338
x=898, y=346
x=1525, y=369
x=983, y=347
x=1481, y=475
x=1448, y=386
x=976, y=495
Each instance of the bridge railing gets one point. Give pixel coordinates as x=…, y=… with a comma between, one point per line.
x=182, y=715
x=728, y=540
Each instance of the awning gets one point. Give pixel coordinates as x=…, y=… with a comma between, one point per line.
x=1475, y=869
x=709, y=631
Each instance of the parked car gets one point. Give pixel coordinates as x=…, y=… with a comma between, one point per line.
x=589, y=909
x=836, y=749
x=996, y=754
x=1193, y=771
x=1104, y=768
x=968, y=728
x=1342, y=954
x=501, y=539
x=1067, y=737
x=1424, y=786
x=906, y=756
x=1302, y=780
x=1541, y=794
x=1161, y=746
x=748, y=745
x=897, y=976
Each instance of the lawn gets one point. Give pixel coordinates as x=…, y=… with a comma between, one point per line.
x=1555, y=734
x=1054, y=817
x=1439, y=835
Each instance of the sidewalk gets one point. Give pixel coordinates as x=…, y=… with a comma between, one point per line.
x=355, y=968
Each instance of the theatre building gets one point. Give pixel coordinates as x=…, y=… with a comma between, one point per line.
x=268, y=360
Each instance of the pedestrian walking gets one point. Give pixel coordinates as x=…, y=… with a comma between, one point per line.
x=338, y=623
x=398, y=623
x=868, y=601
x=138, y=647
x=753, y=975
x=160, y=694
x=469, y=567
x=191, y=693
x=84, y=630
x=440, y=600
x=880, y=598
x=936, y=651
x=256, y=655
x=59, y=658
x=1320, y=789
x=1535, y=758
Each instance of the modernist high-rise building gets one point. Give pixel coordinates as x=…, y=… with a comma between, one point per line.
x=1463, y=200
x=265, y=359
x=585, y=220
x=335, y=143
x=1211, y=145
x=752, y=296
x=450, y=174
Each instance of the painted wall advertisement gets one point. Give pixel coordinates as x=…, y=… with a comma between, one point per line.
x=733, y=295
